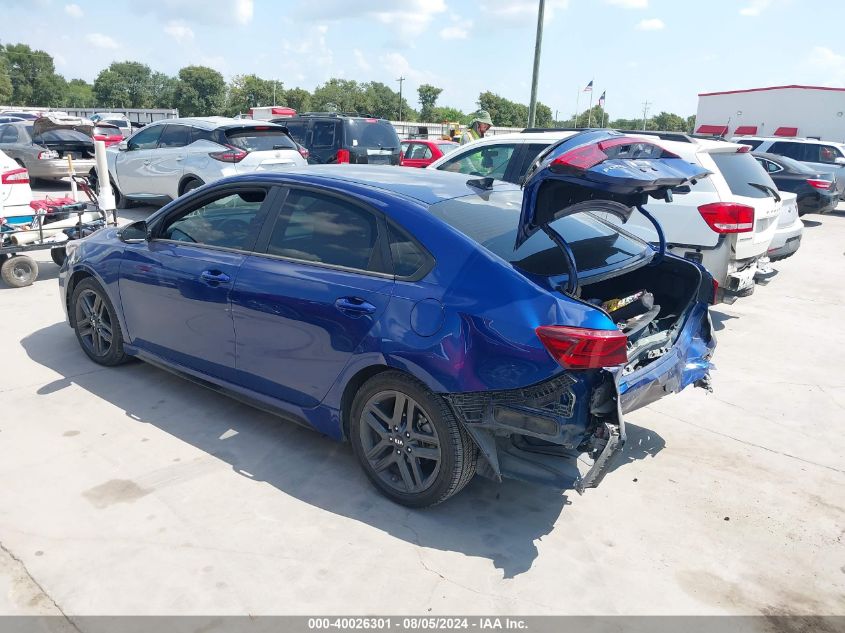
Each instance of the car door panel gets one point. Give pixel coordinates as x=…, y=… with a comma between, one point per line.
x=167, y=161
x=132, y=166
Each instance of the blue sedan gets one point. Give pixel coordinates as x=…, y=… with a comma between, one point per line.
x=442, y=324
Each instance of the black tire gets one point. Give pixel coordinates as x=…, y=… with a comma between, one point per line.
x=58, y=255
x=19, y=271
x=120, y=201
x=190, y=185
x=96, y=325
x=451, y=455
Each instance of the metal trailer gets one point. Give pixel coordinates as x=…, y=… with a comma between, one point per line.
x=17, y=268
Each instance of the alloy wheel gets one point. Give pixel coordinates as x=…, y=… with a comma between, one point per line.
x=399, y=442
x=93, y=323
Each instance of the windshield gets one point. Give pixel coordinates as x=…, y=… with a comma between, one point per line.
x=259, y=140
x=373, y=133
x=117, y=122
x=447, y=147
x=742, y=172
x=493, y=224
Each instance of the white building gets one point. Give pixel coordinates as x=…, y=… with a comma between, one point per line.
x=808, y=111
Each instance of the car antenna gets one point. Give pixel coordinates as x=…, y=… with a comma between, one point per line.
x=484, y=184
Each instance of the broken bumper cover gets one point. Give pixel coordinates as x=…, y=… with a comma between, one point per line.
x=564, y=432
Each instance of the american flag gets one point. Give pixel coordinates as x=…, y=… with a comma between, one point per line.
x=601, y=99
x=589, y=87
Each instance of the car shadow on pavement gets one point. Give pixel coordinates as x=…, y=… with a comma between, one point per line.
x=719, y=318
x=500, y=522
x=810, y=223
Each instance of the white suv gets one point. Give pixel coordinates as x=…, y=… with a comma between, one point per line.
x=725, y=221
x=822, y=155
x=166, y=158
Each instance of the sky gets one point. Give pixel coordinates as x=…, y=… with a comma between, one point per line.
x=663, y=52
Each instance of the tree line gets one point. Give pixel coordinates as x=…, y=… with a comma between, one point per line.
x=28, y=77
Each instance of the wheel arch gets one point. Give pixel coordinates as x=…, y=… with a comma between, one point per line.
x=185, y=180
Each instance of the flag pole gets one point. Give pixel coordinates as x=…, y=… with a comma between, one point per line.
x=577, y=99
x=604, y=108
x=590, y=111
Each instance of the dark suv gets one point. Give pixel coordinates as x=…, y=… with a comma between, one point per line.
x=344, y=138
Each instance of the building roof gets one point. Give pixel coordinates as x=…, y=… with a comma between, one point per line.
x=793, y=87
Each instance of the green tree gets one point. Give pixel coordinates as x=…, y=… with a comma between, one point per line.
x=247, y=91
x=125, y=85
x=31, y=73
x=299, y=99
x=340, y=95
x=669, y=122
x=544, y=117
x=382, y=101
x=79, y=94
x=200, y=91
x=162, y=90
x=428, y=95
x=5, y=82
x=690, y=124
x=447, y=114
x=503, y=111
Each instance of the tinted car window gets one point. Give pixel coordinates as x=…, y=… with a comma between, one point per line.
x=117, y=122
x=146, y=138
x=224, y=222
x=489, y=161
x=9, y=134
x=258, y=140
x=789, y=149
x=200, y=135
x=297, y=130
x=418, y=151
x=828, y=154
x=106, y=131
x=493, y=224
x=62, y=136
x=374, y=133
x=753, y=143
x=408, y=256
x=323, y=133
x=793, y=165
x=174, y=136
x=742, y=172
x=317, y=228
x=447, y=147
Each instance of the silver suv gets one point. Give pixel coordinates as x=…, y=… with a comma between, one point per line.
x=165, y=159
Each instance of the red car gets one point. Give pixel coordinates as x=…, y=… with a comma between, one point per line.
x=421, y=153
x=109, y=134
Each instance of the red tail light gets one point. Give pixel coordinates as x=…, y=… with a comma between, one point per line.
x=728, y=217
x=303, y=152
x=15, y=177
x=743, y=149
x=820, y=184
x=591, y=155
x=343, y=156
x=582, y=348
x=230, y=155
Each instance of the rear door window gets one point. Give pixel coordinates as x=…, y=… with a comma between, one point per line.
x=174, y=136
x=742, y=172
x=9, y=134
x=322, y=229
x=410, y=260
x=259, y=139
x=790, y=150
x=324, y=134
x=297, y=130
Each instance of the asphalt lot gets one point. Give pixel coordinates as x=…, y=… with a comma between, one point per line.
x=129, y=491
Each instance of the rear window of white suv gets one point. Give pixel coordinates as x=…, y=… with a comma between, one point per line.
x=742, y=172
x=259, y=139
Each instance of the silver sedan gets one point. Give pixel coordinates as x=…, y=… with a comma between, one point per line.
x=43, y=148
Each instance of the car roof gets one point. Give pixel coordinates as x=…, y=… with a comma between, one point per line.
x=211, y=122
x=794, y=139
x=428, y=186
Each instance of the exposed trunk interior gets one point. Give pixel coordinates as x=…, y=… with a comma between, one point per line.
x=76, y=149
x=651, y=325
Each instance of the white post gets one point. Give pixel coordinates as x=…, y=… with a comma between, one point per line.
x=104, y=192
x=71, y=173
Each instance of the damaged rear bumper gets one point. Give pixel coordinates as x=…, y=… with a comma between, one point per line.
x=568, y=431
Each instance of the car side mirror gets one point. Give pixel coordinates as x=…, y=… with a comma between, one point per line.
x=840, y=160
x=123, y=146
x=134, y=233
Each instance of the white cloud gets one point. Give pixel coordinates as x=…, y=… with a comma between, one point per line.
x=98, y=40
x=179, y=32
x=826, y=58
x=73, y=10
x=629, y=4
x=454, y=32
x=520, y=10
x=414, y=19
x=755, y=8
x=651, y=24
x=243, y=11
x=362, y=62
x=398, y=66
x=410, y=20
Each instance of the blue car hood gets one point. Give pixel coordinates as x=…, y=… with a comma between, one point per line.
x=598, y=170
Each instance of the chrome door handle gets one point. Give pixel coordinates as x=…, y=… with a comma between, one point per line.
x=214, y=277
x=354, y=306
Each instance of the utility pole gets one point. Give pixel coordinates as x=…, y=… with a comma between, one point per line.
x=400, y=80
x=274, y=92
x=646, y=104
x=532, y=105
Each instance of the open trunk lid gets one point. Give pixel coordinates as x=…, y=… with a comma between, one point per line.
x=48, y=123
